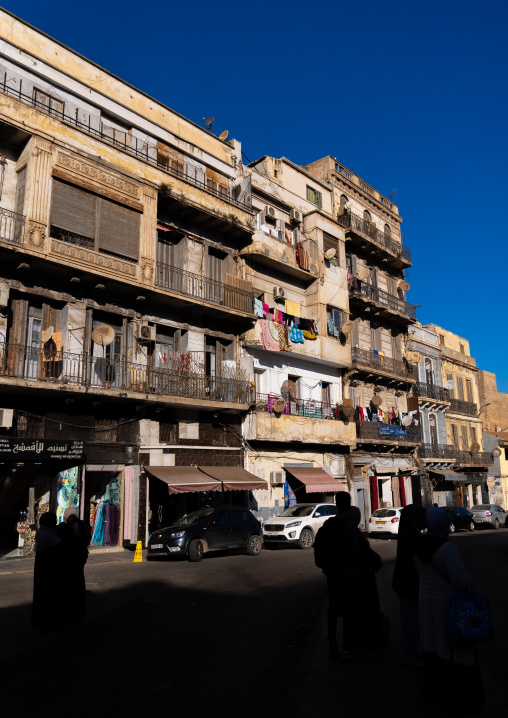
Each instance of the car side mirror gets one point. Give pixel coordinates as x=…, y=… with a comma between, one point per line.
x=317, y=514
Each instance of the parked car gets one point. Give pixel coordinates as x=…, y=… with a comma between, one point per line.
x=298, y=524
x=459, y=518
x=384, y=521
x=225, y=527
x=492, y=514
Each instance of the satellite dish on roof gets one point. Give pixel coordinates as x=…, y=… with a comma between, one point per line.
x=376, y=400
x=279, y=406
x=103, y=335
x=450, y=385
x=406, y=420
x=495, y=453
x=209, y=123
x=330, y=253
x=289, y=387
x=347, y=327
x=405, y=286
x=223, y=135
x=362, y=274
x=47, y=334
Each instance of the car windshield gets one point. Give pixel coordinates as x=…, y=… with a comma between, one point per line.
x=298, y=511
x=195, y=518
x=384, y=513
x=481, y=507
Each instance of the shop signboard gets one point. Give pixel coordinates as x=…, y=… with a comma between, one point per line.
x=21, y=450
x=388, y=430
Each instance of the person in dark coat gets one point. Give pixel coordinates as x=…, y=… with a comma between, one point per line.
x=349, y=564
x=405, y=582
x=75, y=535
x=49, y=569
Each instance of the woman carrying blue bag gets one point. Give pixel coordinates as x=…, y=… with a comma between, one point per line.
x=451, y=671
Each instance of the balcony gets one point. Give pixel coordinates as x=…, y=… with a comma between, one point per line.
x=379, y=365
x=324, y=423
x=474, y=458
x=183, y=378
x=457, y=406
x=445, y=452
x=272, y=250
x=205, y=289
x=430, y=394
x=358, y=230
x=374, y=431
x=12, y=226
x=386, y=305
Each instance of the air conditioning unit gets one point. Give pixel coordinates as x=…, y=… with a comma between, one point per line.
x=269, y=211
x=295, y=216
x=146, y=333
x=279, y=293
x=276, y=477
x=6, y=416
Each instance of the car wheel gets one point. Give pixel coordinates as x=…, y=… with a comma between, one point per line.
x=196, y=550
x=452, y=527
x=496, y=524
x=472, y=526
x=254, y=545
x=306, y=539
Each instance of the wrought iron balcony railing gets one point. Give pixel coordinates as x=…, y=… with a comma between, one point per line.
x=146, y=151
x=376, y=431
x=474, y=458
x=199, y=287
x=431, y=391
x=365, y=358
x=463, y=407
x=368, y=229
x=368, y=292
x=437, y=451
x=12, y=225
x=181, y=379
x=300, y=407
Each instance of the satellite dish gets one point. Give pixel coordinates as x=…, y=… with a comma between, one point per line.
x=450, y=385
x=406, y=420
x=103, y=335
x=223, y=135
x=348, y=204
x=348, y=410
x=495, y=453
x=347, y=327
x=474, y=448
x=376, y=400
x=414, y=357
x=362, y=274
x=289, y=387
x=279, y=406
x=47, y=334
x=330, y=253
x=209, y=121
x=405, y=286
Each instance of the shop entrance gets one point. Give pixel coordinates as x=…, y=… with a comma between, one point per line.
x=101, y=506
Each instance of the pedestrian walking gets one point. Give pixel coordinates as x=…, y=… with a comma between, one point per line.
x=451, y=671
x=405, y=582
x=48, y=573
x=345, y=556
x=75, y=535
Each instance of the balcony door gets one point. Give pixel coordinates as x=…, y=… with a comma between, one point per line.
x=33, y=347
x=217, y=268
x=429, y=374
x=170, y=254
x=433, y=429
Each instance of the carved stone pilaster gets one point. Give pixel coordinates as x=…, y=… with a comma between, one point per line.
x=147, y=271
x=36, y=235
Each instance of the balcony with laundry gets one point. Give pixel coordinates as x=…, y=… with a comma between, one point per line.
x=379, y=303
x=387, y=433
x=281, y=247
x=364, y=235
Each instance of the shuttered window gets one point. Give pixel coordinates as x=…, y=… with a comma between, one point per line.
x=469, y=389
x=463, y=431
x=330, y=242
x=81, y=217
x=314, y=196
x=455, y=436
x=460, y=388
x=449, y=377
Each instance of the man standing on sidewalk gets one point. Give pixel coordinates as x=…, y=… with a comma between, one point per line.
x=349, y=563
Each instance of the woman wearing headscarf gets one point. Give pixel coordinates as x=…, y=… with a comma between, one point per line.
x=48, y=573
x=75, y=536
x=446, y=665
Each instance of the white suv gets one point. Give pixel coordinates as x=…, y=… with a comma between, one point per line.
x=297, y=524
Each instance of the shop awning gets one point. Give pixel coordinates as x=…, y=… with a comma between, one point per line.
x=449, y=474
x=234, y=478
x=315, y=479
x=184, y=479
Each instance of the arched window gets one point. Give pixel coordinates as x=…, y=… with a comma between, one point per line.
x=367, y=216
x=387, y=231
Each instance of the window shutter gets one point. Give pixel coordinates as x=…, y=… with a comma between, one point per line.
x=330, y=242
x=119, y=230
x=463, y=430
x=455, y=436
x=460, y=388
x=449, y=377
x=319, y=199
x=469, y=388
x=73, y=210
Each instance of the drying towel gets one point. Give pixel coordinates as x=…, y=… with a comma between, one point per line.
x=293, y=308
x=269, y=343
x=258, y=308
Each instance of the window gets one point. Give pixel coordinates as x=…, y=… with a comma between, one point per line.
x=367, y=217
x=433, y=429
x=330, y=242
x=81, y=217
x=460, y=388
x=387, y=231
x=314, y=196
x=461, y=347
x=472, y=429
x=19, y=202
x=455, y=436
x=49, y=103
x=325, y=392
x=375, y=338
x=464, y=438
x=218, y=355
x=297, y=381
x=449, y=377
x=334, y=322
x=429, y=374
x=469, y=389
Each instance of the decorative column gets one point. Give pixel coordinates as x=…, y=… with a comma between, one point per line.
x=148, y=239
x=38, y=191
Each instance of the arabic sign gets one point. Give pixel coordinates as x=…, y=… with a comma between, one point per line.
x=39, y=449
x=387, y=430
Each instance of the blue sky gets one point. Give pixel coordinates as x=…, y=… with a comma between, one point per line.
x=410, y=96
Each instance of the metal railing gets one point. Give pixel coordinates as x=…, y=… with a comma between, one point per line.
x=122, y=140
x=394, y=304
x=48, y=366
x=382, y=363
x=371, y=430
x=300, y=407
x=369, y=229
x=474, y=458
x=459, y=406
x=12, y=225
x=437, y=451
x=195, y=285
x=431, y=391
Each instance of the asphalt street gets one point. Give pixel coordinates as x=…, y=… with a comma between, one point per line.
x=232, y=635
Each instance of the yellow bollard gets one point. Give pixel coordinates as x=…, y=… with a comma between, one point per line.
x=138, y=555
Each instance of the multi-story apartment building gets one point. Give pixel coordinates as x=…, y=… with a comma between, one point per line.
x=122, y=297
x=300, y=433
x=381, y=376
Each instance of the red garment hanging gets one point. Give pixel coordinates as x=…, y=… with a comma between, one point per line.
x=375, y=497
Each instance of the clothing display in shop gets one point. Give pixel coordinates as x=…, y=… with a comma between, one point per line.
x=106, y=524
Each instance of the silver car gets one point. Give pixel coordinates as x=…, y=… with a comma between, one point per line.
x=490, y=514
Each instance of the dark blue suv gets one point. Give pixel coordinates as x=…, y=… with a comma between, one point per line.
x=225, y=527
